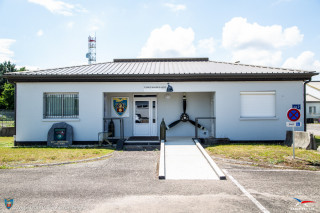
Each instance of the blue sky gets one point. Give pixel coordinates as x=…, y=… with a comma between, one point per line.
x=53, y=33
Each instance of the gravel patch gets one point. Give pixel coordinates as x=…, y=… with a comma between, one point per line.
x=314, y=129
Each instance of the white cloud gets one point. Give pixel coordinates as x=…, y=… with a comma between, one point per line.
x=257, y=56
x=70, y=25
x=40, y=33
x=59, y=7
x=175, y=7
x=5, y=53
x=166, y=42
x=206, y=45
x=95, y=24
x=253, y=43
x=239, y=34
x=145, y=6
x=305, y=61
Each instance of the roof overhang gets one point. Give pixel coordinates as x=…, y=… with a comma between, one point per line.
x=162, y=77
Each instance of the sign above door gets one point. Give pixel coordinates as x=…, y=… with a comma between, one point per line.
x=155, y=88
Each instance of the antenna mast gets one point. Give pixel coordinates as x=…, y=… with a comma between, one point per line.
x=91, y=55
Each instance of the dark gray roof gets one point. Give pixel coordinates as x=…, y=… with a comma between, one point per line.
x=161, y=69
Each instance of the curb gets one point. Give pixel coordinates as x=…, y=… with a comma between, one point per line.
x=162, y=162
x=213, y=165
x=62, y=163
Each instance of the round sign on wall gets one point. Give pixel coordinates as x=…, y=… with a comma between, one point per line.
x=293, y=114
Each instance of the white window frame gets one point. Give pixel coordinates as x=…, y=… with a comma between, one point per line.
x=312, y=110
x=254, y=106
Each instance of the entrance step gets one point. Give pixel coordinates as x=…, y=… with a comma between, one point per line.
x=143, y=140
x=129, y=147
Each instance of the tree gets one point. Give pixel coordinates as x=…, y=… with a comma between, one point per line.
x=6, y=89
x=5, y=67
x=7, y=97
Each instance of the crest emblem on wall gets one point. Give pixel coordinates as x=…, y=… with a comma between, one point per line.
x=120, y=105
x=8, y=203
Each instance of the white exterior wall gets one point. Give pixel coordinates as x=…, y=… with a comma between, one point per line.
x=313, y=104
x=32, y=127
x=315, y=93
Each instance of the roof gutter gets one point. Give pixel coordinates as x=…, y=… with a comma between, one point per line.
x=162, y=77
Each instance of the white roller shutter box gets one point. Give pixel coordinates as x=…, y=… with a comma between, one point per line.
x=258, y=104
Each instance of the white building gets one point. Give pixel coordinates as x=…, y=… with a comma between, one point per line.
x=313, y=102
x=249, y=103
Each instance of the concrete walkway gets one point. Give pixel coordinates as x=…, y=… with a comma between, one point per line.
x=183, y=160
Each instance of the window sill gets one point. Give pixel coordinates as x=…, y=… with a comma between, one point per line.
x=60, y=119
x=258, y=118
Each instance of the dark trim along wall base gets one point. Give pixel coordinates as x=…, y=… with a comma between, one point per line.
x=30, y=143
x=280, y=142
x=44, y=143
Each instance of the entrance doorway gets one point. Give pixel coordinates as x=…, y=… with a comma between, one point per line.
x=145, y=116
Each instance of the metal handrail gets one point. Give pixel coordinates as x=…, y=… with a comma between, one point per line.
x=121, y=125
x=196, y=126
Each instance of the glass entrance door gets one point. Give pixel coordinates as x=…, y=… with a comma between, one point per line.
x=145, y=117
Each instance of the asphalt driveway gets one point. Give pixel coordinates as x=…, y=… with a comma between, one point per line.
x=127, y=182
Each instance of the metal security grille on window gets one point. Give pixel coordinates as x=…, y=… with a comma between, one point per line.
x=64, y=105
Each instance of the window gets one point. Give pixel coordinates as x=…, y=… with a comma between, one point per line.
x=60, y=105
x=258, y=104
x=312, y=110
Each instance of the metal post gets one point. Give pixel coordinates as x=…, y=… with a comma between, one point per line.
x=293, y=142
x=196, y=129
x=121, y=129
x=214, y=129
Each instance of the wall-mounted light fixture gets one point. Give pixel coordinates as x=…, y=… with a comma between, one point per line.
x=167, y=96
x=169, y=88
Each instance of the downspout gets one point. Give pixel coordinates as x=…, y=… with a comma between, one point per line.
x=305, y=104
x=15, y=112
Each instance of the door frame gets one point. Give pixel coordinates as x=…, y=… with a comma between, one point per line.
x=152, y=126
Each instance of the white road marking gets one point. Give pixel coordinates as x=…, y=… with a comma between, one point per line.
x=261, y=207
x=271, y=170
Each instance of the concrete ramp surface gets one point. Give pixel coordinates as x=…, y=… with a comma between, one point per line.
x=184, y=160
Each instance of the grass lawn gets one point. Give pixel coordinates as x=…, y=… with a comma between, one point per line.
x=266, y=155
x=317, y=137
x=18, y=156
x=6, y=141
